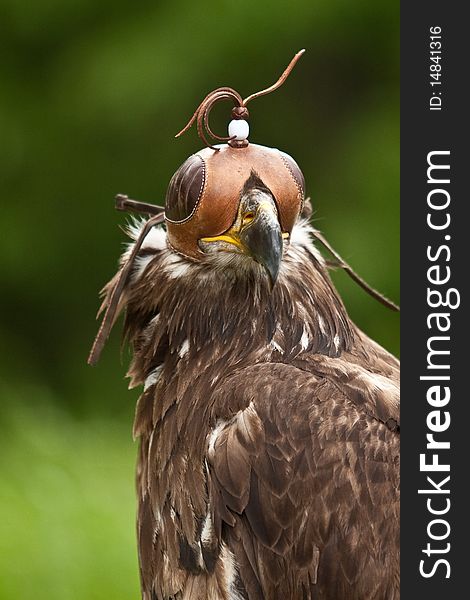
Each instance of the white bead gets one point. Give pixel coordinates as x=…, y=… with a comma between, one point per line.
x=238, y=128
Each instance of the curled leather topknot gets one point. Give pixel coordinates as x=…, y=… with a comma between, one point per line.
x=201, y=115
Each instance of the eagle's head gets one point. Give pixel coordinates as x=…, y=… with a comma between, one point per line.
x=235, y=261
x=234, y=208
x=235, y=256
x=256, y=235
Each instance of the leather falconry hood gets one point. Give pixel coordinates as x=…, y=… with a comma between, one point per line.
x=203, y=195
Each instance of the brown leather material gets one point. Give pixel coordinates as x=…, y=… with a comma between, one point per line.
x=204, y=197
x=185, y=189
x=297, y=174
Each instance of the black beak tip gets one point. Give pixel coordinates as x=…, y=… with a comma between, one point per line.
x=269, y=256
x=263, y=240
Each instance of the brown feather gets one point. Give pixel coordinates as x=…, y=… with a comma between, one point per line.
x=269, y=448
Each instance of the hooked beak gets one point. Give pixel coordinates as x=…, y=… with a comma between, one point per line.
x=262, y=239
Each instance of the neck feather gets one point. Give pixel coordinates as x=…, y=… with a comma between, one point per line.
x=176, y=308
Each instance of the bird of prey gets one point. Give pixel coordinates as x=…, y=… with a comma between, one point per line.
x=268, y=423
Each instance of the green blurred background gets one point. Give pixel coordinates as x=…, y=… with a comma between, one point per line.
x=91, y=95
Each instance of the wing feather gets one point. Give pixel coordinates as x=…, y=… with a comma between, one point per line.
x=308, y=468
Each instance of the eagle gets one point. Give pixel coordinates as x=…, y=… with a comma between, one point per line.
x=268, y=424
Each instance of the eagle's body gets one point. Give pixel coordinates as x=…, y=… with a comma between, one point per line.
x=268, y=426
